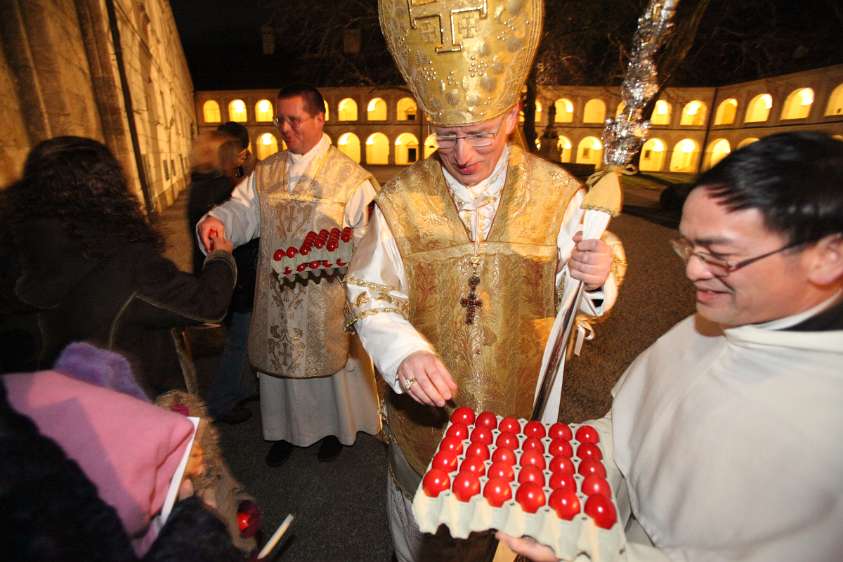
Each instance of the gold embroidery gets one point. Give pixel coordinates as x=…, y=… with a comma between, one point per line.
x=373, y=311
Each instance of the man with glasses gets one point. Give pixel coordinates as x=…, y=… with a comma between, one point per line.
x=313, y=384
x=727, y=430
x=454, y=287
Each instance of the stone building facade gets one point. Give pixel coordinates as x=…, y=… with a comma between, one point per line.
x=692, y=128
x=60, y=75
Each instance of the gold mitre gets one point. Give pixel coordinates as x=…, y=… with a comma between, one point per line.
x=465, y=60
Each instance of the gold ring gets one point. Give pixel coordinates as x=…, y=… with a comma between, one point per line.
x=408, y=383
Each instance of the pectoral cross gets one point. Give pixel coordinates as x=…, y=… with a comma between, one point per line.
x=471, y=303
x=443, y=10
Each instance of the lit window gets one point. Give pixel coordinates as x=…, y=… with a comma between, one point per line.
x=406, y=149
x=661, y=113
x=349, y=144
x=211, y=112
x=652, y=156
x=564, y=110
x=717, y=150
x=376, y=110
x=726, y=112
x=564, y=144
x=407, y=109
x=693, y=114
x=835, y=102
x=589, y=151
x=263, y=111
x=685, y=154
x=237, y=111
x=798, y=104
x=595, y=111
x=267, y=146
x=758, y=109
x=348, y=110
x=377, y=149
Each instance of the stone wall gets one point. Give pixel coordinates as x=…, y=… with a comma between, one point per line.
x=59, y=76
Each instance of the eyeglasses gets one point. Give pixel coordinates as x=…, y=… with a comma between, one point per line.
x=717, y=266
x=475, y=140
x=294, y=122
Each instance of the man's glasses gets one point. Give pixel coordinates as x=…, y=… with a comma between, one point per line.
x=294, y=122
x=475, y=140
x=717, y=266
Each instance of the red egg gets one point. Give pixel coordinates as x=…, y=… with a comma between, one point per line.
x=560, y=447
x=466, y=485
x=562, y=480
x=457, y=430
x=477, y=450
x=532, y=458
x=565, y=503
x=507, y=440
x=487, y=420
x=602, y=510
x=589, y=451
x=445, y=460
x=501, y=470
x=561, y=463
x=497, y=491
x=596, y=485
x=463, y=415
x=587, y=434
x=532, y=444
x=534, y=429
x=504, y=455
x=590, y=466
x=481, y=435
x=560, y=430
x=475, y=465
x=435, y=482
x=531, y=474
x=451, y=444
x=530, y=496
x=510, y=424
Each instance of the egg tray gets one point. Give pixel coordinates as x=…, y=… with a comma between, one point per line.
x=569, y=539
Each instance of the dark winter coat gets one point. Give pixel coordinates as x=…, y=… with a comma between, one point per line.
x=127, y=302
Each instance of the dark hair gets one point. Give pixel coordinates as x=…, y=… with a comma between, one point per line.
x=81, y=184
x=314, y=103
x=236, y=131
x=794, y=179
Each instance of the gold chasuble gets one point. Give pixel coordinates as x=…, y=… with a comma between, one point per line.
x=297, y=327
x=495, y=360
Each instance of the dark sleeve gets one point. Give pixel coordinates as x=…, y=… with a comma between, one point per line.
x=167, y=297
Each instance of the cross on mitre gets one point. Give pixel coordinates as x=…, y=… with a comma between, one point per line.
x=461, y=15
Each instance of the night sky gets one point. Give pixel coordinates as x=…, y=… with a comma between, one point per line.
x=738, y=40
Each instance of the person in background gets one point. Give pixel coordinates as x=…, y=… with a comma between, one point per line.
x=726, y=430
x=92, y=265
x=220, y=160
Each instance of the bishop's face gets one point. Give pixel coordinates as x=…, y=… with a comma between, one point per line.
x=471, y=164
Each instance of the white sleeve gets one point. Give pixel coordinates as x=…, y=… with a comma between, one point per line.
x=599, y=301
x=241, y=214
x=377, y=292
x=356, y=209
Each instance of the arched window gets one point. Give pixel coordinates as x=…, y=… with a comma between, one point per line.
x=376, y=110
x=348, y=110
x=211, y=112
x=430, y=146
x=406, y=149
x=758, y=109
x=693, y=114
x=377, y=149
x=652, y=156
x=564, y=144
x=589, y=150
x=349, y=144
x=326, y=109
x=798, y=104
x=267, y=145
x=726, y=112
x=661, y=113
x=539, y=114
x=237, y=111
x=716, y=151
x=564, y=110
x=595, y=112
x=835, y=102
x=406, y=109
x=685, y=155
x=536, y=116
x=747, y=141
x=264, y=111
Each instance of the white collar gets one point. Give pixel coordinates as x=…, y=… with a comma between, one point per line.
x=297, y=160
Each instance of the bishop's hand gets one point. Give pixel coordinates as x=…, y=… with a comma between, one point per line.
x=591, y=262
x=423, y=376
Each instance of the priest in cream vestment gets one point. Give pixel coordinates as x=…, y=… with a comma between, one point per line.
x=465, y=258
x=314, y=383
x=727, y=430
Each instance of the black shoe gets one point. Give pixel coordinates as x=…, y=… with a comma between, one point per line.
x=279, y=453
x=329, y=449
x=237, y=414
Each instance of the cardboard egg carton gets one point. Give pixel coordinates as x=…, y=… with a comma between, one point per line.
x=578, y=538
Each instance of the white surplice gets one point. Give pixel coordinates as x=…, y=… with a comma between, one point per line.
x=303, y=411
x=729, y=443
x=388, y=336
